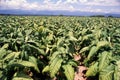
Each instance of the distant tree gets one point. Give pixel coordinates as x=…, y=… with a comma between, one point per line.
x=110, y=16
x=61, y=15
x=98, y=16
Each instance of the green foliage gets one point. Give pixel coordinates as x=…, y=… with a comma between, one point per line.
x=107, y=73
x=117, y=71
x=93, y=70
x=69, y=71
x=42, y=47
x=92, y=52
x=55, y=66
x=21, y=76
x=104, y=60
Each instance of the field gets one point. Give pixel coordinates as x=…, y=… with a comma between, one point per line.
x=59, y=48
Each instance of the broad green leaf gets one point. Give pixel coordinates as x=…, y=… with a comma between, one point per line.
x=62, y=50
x=55, y=66
x=117, y=71
x=98, y=34
x=41, y=28
x=47, y=49
x=59, y=42
x=21, y=76
x=69, y=71
x=104, y=60
x=71, y=36
x=73, y=62
x=3, y=52
x=87, y=37
x=92, y=52
x=29, y=64
x=46, y=69
x=92, y=70
x=26, y=64
x=33, y=59
x=1, y=72
x=107, y=73
x=12, y=55
x=54, y=55
x=102, y=44
x=26, y=56
x=33, y=42
x=5, y=46
x=28, y=32
x=84, y=49
x=84, y=31
x=50, y=37
x=41, y=51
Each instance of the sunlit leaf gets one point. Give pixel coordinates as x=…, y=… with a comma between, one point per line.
x=92, y=70
x=69, y=71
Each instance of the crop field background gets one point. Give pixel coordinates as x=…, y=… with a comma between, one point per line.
x=59, y=48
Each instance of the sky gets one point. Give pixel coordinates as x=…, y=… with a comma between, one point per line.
x=102, y=6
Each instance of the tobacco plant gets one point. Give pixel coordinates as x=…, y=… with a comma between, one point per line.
x=43, y=48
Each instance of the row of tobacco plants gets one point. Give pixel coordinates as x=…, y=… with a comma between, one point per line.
x=43, y=48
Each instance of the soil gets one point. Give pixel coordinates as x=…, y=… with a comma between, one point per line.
x=80, y=72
